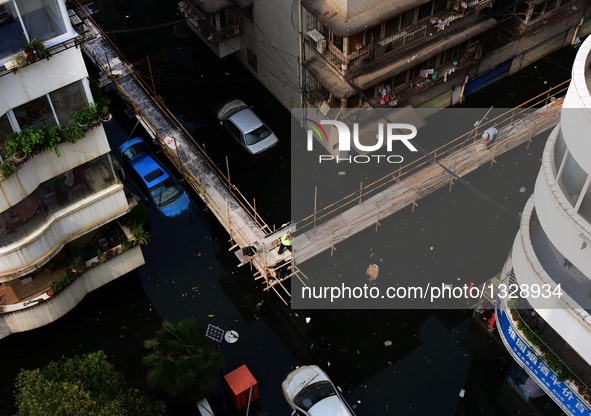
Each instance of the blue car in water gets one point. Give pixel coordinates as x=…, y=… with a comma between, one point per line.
x=164, y=191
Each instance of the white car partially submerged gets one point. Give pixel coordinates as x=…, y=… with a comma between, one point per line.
x=246, y=127
x=309, y=392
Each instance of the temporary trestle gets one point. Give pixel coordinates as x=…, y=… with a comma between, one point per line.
x=324, y=229
x=250, y=238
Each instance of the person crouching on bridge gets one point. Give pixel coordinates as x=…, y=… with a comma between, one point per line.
x=285, y=242
x=489, y=135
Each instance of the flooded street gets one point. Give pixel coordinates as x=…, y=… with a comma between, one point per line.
x=388, y=362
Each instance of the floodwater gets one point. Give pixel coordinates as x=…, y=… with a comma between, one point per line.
x=388, y=362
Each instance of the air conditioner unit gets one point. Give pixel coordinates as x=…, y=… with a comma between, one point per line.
x=321, y=45
x=319, y=39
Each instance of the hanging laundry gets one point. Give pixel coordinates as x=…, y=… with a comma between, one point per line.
x=435, y=75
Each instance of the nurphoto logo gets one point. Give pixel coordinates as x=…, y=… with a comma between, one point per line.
x=388, y=133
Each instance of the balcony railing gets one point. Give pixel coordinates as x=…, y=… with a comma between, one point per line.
x=107, y=243
x=200, y=21
x=53, y=196
x=396, y=45
x=551, y=348
x=12, y=65
x=517, y=25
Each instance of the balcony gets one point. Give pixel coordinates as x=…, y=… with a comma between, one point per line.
x=45, y=165
x=49, y=229
x=42, y=20
x=368, y=57
x=545, y=356
x=223, y=39
x=518, y=26
x=28, y=303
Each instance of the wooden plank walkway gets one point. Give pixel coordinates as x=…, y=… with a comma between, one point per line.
x=405, y=192
x=243, y=225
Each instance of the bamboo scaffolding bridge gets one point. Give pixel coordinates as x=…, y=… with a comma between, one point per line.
x=325, y=228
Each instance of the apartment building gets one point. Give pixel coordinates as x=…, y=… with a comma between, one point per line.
x=60, y=196
x=393, y=53
x=546, y=327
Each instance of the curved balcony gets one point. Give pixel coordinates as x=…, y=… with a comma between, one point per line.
x=41, y=309
x=540, y=352
x=46, y=165
x=564, y=226
x=60, y=226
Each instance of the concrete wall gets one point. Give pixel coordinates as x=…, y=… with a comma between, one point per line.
x=350, y=8
x=277, y=55
x=57, y=306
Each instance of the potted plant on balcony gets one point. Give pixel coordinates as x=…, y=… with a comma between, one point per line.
x=93, y=115
x=7, y=168
x=140, y=235
x=32, y=140
x=53, y=136
x=78, y=265
x=106, y=116
x=14, y=145
x=72, y=132
x=82, y=119
x=35, y=49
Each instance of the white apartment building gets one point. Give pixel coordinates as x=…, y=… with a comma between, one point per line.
x=57, y=208
x=549, y=334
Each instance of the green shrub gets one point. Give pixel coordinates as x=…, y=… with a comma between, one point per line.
x=7, y=168
x=61, y=282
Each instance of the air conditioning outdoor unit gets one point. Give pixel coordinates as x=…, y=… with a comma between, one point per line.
x=321, y=45
x=320, y=40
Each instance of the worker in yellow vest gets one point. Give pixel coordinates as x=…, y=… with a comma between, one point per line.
x=285, y=242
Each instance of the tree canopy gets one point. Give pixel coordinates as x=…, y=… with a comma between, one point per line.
x=181, y=360
x=88, y=385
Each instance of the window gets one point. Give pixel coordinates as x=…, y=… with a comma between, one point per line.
x=439, y=6
x=41, y=19
x=571, y=179
x=58, y=106
x=407, y=19
x=67, y=100
x=373, y=34
x=227, y=16
x=35, y=114
x=585, y=208
x=336, y=40
x=425, y=10
x=559, y=150
x=400, y=79
x=392, y=26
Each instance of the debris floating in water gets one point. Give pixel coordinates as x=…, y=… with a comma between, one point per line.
x=522, y=189
x=372, y=271
x=387, y=343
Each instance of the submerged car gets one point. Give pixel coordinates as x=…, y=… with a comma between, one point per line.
x=164, y=191
x=309, y=392
x=246, y=127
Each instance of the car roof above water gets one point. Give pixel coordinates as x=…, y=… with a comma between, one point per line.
x=246, y=120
